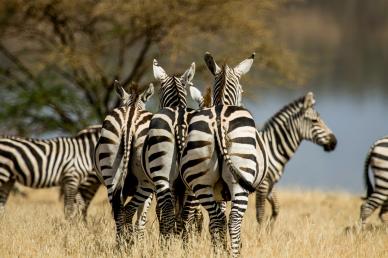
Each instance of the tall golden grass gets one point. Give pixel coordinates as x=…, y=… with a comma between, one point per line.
x=310, y=224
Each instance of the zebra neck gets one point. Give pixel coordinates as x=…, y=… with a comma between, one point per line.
x=282, y=140
x=221, y=99
x=173, y=94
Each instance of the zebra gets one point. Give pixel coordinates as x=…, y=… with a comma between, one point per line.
x=163, y=146
x=86, y=191
x=224, y=157
x=117, y=160
x=377, y=194
x=38, y=163
x=282, y=134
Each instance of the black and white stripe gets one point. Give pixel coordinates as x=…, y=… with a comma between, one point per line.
x=282, y=134
x=118, y=159
x=225, y=157
x=62, y=161
x=377, y=194
x=164, y=143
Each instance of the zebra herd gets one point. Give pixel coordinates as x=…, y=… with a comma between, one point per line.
x=187, y=157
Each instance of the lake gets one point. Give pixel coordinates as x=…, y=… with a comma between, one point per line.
x=357, y=120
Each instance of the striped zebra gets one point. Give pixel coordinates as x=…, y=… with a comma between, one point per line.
x=63, y=161
x=377, y=194
x=86, y=191
x=282, y=134
x=224, y=157
x=118, y=159
x=163, y=145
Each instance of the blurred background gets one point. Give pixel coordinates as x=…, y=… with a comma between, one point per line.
x=58, y=61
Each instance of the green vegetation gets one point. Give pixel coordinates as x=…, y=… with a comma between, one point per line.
x=58, y=59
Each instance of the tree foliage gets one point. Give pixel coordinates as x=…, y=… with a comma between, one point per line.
x=58, y=59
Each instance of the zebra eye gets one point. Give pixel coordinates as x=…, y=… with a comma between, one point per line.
x=314, y=120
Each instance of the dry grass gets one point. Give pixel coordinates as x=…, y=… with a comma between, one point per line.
x=311, y=224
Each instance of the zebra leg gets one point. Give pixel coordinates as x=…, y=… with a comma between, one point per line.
x=261, y=196
x=239, y=206
x=137, y=203
x=178, y=209
x=274, y=201
x=119, y=217
x=157, y=211
x=217, y=219
x=189, y=219
x=5, y=189
x=70, y=190
x=222, y=206
x=80, y=205
x=129, y=211
x=374, y=201
x=198, y=220
x=142, y=215
x=166, y=212
x=384, y=213
x=87, y=193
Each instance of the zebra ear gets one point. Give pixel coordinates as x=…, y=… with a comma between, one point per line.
x=159, y=72
x=309, y=100
x=147, y=93
x=196, y=95
x=188, y=76
x=211, y=64
x=244, y=67
x=120, y=90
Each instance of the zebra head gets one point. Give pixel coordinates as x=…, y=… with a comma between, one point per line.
x=136, y=96
x=173, y=88
x=227, y=87
x=313, y=128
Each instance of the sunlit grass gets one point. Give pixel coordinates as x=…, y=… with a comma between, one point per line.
x=310, y=224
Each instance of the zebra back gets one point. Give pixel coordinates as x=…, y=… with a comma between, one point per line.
x=41, y=162
x=113, y=149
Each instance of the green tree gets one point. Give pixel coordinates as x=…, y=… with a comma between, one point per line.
x=58, y=59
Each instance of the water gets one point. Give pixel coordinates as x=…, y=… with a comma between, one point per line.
x=357, y=121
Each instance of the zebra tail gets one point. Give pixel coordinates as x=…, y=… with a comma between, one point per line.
x=367, y=182
x=122, y=172
x=96, y=167
x=221, y=136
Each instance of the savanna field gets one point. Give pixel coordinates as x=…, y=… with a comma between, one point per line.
x=310, y=224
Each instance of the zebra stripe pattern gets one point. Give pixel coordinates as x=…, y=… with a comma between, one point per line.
x=38, y=163
x=224, y=158
x=118, y=159
x=282, y=134
x=163, y=145
x=227, y=89
x=377, y=194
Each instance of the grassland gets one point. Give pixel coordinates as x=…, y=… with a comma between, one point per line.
x=310, y=224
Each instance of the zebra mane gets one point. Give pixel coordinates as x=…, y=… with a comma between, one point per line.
x=135, y=89
x=89, y=129
x=207, y=97
x=15, y=137
x=220, y=91
x=290, y=110
x=179, y=90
